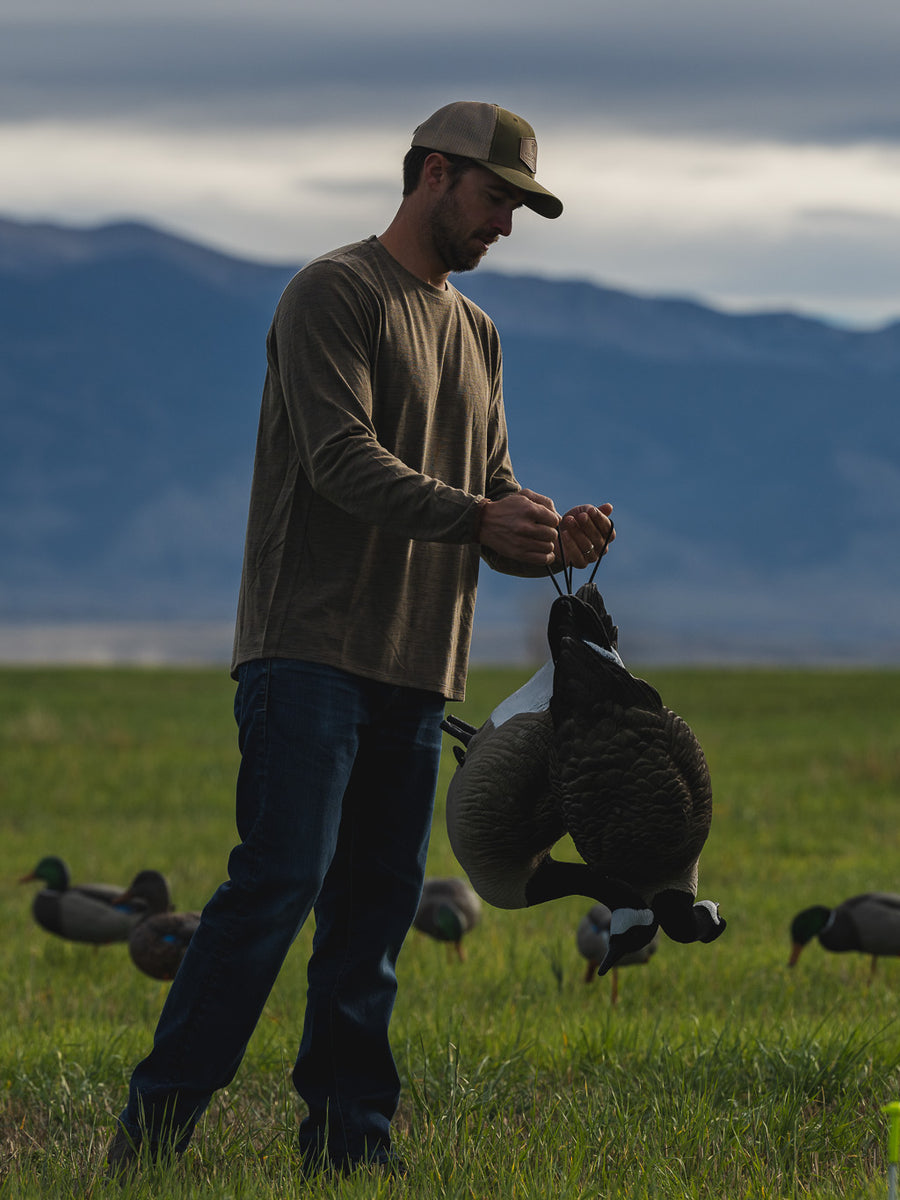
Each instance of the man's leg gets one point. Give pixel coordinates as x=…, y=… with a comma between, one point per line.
x=298, y=743
x=345, y=1070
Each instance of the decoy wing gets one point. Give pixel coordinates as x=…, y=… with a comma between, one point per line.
x=500, y=818
x=629, y=777
x=158, y=943
x=869, y=923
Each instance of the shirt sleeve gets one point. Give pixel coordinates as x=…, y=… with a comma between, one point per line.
x=321, y=348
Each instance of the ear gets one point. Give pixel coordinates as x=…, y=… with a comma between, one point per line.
x=434, y=172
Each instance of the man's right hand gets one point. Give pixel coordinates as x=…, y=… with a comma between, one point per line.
x=521, y=526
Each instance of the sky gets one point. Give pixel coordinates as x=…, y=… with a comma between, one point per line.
x=745, y=153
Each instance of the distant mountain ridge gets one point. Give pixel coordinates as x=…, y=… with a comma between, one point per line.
x=754, y=461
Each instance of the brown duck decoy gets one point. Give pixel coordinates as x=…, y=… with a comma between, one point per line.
x=158, y=942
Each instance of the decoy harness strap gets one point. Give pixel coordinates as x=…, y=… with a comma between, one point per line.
x=567, y=570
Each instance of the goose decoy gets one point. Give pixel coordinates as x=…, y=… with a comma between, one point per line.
x=586, y=748
x=592, y=939
x=631, y=781
x=448, y=910
x=158, y=941
x=85, y=912
x=868, y=923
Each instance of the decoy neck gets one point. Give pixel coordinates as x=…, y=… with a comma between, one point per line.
x=554, y=879
x=582, y=616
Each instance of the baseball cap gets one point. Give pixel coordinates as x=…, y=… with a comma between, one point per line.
x=494, y=138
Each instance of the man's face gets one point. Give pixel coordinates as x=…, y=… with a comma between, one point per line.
x=470, y=215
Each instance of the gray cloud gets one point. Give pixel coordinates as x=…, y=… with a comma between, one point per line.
x=690, y=137
x=800, y=71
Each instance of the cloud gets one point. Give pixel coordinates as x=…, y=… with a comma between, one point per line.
x=825, y=71
x=745, y=153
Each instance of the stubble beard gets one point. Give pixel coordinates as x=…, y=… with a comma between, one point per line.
x=454, y=247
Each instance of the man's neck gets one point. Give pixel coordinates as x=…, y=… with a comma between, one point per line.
x=403, y=242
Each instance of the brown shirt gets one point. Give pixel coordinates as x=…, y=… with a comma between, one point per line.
x=382, y=425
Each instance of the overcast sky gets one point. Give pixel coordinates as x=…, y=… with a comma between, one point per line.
x=743, y=152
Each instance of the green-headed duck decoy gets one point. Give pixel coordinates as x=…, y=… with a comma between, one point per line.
x=448, y=910
x=85, y=912
x=868, y=923
x=158, y=941
x=592, y=939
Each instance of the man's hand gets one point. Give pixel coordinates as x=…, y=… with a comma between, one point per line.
x=521, y=526
x=586, y=533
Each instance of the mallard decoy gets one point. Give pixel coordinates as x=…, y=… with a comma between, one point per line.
x=868, y=923
x=448, y=910
x=631, y=781
x=158, y=941
x=586, y=748
x=592, y=939
x=85, y=912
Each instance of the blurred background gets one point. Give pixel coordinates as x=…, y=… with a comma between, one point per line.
x=708, y=336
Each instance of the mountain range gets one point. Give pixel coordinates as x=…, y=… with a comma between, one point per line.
x=753, y=460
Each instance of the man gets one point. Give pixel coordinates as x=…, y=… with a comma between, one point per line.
x=381, y=475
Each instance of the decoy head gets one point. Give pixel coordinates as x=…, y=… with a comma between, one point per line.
x=684, y=920
x=148, y=891
x=805, y=926
x=448, y=922
x=630, y=930
x=582, y=616
x=53, y=871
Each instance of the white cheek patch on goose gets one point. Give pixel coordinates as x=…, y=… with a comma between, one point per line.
x=624, y=919
x=712, y=908
x=533, y=696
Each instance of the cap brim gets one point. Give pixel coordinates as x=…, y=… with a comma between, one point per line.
x=537, y=198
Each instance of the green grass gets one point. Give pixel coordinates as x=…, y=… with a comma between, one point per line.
x=719, y=1074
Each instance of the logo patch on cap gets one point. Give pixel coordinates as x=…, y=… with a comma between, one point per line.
x=528, y=152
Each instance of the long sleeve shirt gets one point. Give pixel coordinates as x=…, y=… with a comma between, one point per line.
x=381, y=428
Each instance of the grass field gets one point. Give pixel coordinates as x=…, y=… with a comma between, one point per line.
x=720, y=1073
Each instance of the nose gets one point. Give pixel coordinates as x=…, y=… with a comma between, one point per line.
x=503, y=222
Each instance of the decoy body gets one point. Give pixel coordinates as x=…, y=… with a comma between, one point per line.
x=592, y=939
x=158, y=941
x=86, y=912
x=868, y=923
x=448, y=910
x=588, y=749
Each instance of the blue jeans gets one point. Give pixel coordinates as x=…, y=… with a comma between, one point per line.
x=335, y=795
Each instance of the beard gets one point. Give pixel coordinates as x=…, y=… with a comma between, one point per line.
x=457, y=248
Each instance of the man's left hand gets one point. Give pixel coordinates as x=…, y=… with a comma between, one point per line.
x=587, y=533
